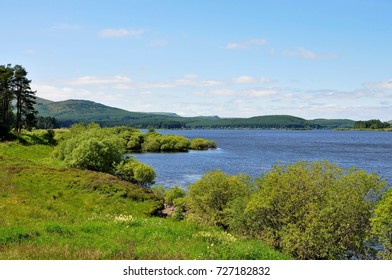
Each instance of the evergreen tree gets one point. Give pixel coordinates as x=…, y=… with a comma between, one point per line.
x=25, y=99
x=6, y=97
x=15, y=88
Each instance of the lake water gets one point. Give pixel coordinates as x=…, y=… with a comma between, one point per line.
x=254, y=152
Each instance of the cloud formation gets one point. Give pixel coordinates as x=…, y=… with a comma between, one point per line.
x=241, y=96
x=386, y=85
x=307, y=54
x=94, y=80
x=244, y=79
x=246, y=44
x=121, y=32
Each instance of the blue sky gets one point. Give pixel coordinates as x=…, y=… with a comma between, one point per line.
x=312, y=59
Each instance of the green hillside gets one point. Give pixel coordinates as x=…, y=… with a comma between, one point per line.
x=73, y=111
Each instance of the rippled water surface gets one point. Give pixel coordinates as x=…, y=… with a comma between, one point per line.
x=255, y=151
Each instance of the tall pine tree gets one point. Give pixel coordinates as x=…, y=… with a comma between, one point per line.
x=25, y=99
x=6, y=97
x=15, y=89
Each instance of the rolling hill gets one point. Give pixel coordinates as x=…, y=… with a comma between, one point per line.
x=72, y=111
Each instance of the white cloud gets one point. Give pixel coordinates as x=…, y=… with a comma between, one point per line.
x=121, y=32
x=261, y=92
x=244, y=79
x=246, y=44
x=307, y=54
x=94, y=80
x=60, y=93
x=195, y=83
x=243, y=93
x=380, y=85
x=155, y=85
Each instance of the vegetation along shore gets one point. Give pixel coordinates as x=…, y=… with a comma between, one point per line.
x=71, y=194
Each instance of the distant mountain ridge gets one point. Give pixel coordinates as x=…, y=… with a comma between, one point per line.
x=72, y=111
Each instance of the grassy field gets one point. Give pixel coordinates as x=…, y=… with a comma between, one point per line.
x=48, y=211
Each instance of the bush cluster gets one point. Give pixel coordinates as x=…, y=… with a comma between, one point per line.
x=308, y=210
x=102, y=149
x=155, y=142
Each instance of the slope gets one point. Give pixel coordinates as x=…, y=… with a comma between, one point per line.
x=72, y=111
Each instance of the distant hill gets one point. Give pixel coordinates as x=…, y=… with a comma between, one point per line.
x=72, y=111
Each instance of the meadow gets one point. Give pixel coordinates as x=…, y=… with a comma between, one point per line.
x=49, y=211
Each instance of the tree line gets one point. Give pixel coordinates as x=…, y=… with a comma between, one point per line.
x=371, y=124
x=17, y=100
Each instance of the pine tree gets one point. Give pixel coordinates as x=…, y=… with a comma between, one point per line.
x=6, y=97
x=15, y=87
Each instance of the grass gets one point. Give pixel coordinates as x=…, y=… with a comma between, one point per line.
x=48, y=211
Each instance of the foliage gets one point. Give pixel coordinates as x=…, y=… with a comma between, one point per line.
x=37, y=136
x=172, y=142
x=46, y=123
x=333, y=123
x=314, y=210
x=90, y=147
x=155, y=142
x=382, y=224
x=371, y=124
x=15, y=87
x=171, y=195
x=96, y=154
x=136, y=172
x=159, y=191
x=202, y=144
x=211, y=199
x=52, y=212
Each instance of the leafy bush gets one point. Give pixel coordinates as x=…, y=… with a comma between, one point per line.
x=159, y=191
x=151, y=142
x=174, y=193
x=154, y=142
x=212, y=199
x=314, y=210
x=90, y=147
x=174, y=143
x=96, y=154
x=382, y=224
x=136, y=172
x=202, y=144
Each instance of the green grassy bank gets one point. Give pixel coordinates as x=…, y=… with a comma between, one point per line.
x=48, y=211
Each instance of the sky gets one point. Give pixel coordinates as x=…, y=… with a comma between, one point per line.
x=243, y=58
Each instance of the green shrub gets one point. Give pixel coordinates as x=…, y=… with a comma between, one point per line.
x=151, y=142
x=90, y=147
x=202, y=144
x=212, y=199
x=174, y=193
x=314, y=210
x=174, y=143
x=136, y=172
x=382, y=224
